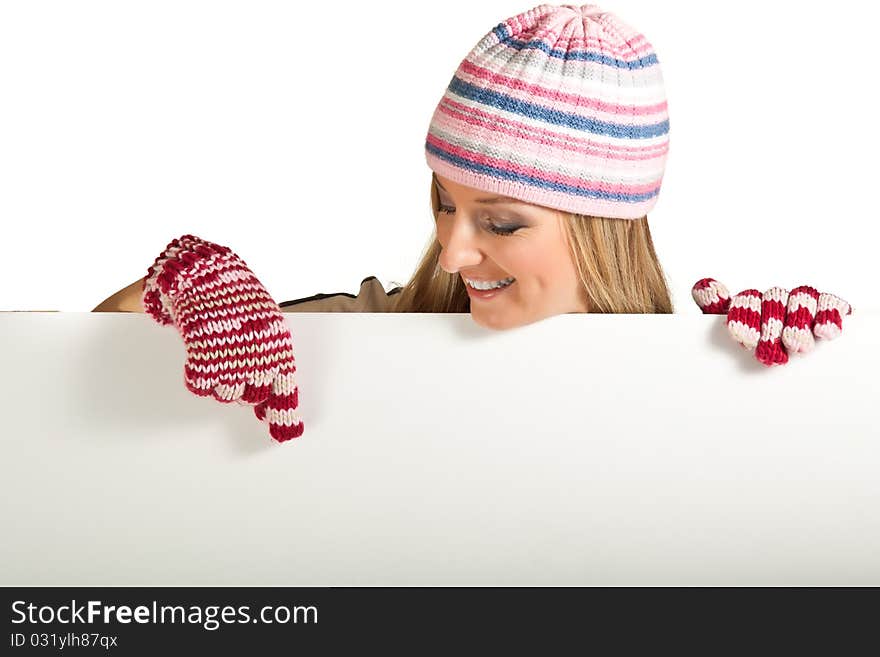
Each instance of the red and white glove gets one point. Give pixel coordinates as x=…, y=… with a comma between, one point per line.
x=777, y=321
x=238, y=345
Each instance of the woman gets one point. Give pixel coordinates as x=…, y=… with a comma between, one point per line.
x=548, y=150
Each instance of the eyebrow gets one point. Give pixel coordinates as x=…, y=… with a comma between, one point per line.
x=487, y=201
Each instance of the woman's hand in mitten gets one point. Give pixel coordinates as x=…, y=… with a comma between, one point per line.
x=777, y=321
x=238, y=345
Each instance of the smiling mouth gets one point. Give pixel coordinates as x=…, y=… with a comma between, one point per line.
x=488, y=294
x=476, y=283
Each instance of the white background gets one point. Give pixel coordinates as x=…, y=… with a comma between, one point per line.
x=294, y=133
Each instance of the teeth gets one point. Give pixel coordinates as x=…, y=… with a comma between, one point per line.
x=489, y=285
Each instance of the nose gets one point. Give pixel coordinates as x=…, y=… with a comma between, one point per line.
x=458, y=241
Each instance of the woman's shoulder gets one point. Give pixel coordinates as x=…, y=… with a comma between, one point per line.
x=371, y=298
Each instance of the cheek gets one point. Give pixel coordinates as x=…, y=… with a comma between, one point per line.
x=545, y=265
x=549, y=278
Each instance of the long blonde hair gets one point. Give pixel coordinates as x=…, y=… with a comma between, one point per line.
x=615, y=261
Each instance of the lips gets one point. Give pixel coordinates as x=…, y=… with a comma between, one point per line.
x=485, y=295
x=477, y=279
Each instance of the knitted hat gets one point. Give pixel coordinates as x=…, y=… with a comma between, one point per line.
x=562, y=106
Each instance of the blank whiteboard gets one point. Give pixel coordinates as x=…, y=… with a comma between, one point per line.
x=580, y=450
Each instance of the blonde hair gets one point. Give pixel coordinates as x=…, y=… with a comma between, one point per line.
x=614, y=258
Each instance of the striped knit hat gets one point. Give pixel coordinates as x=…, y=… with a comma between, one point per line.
x=561, y=106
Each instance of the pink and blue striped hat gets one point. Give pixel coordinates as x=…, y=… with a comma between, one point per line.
x=562, y=106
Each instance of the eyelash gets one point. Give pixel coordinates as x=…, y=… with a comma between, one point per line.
x=445, y=209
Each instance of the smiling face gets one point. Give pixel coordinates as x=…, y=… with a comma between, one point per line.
x=486, y=237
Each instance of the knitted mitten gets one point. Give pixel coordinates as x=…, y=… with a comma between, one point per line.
x=777, y=321
x=238, y=345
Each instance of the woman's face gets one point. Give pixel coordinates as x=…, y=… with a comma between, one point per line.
x=492, y=238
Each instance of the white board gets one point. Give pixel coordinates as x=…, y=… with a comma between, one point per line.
x=581, y=450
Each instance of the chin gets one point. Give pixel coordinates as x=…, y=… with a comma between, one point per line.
x=481, y=320
x=502, y=324
x=494, y=323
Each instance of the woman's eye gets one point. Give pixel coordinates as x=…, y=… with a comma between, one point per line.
x=498, y=230
x=503, y=230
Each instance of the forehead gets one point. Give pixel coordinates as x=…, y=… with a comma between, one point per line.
x=443, y=185
x=534, y=212
x=489, y=199
x=538, y=211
